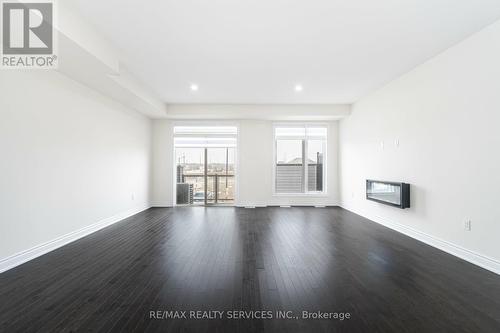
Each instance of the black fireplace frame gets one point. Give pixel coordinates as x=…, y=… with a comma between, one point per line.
x=405, y=193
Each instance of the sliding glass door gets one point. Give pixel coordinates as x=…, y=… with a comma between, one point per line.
x=190, y=170
x=220, y=175
x=205, y=161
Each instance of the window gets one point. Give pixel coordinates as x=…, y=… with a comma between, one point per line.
x=205, y=136
x=205, y=164
x=300, y=152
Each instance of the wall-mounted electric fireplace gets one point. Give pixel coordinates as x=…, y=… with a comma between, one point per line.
x=389, y=193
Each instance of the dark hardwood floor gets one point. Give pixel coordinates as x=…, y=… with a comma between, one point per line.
x=227, y=259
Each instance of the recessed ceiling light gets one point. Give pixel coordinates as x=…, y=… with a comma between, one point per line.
x=194, y=87
x=298, y=87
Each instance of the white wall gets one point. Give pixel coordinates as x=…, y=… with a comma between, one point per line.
x=446, y=116
x=278, y=112
x=255, y=163
x=162, y=167
x=70, y=158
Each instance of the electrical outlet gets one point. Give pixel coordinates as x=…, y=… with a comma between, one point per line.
x=132, y=196
x=396, y=142
x=468, y=225
x=382, y=144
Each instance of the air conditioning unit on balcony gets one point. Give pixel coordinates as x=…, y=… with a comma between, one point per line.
x=184, y=194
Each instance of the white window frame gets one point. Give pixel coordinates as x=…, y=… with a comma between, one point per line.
x=305, y=138
x=208, y=123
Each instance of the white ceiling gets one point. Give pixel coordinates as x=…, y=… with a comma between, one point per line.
x=256, y=51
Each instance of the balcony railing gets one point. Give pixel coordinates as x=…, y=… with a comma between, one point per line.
x=220, y=187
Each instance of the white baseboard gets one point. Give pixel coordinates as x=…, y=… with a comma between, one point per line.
x=249, y=205
x=475, y=258
x=252, y=205
x=36, y=251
